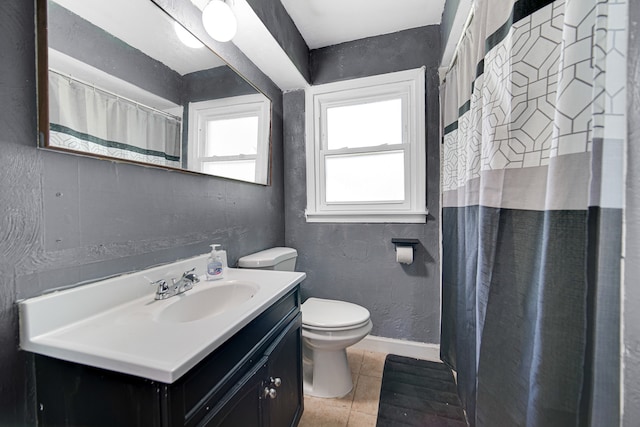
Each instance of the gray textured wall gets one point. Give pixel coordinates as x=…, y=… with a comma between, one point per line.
x=382, y=54
x=631, y=319
x=356, y=262
x=67, y=219
x=214, y=83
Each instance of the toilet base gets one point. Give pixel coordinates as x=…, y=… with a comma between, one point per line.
x=326, y=373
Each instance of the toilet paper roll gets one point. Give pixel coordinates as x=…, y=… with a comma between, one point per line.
x=404, y=254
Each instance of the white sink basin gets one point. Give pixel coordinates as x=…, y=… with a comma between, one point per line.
x=198, y=304
x=116, y=324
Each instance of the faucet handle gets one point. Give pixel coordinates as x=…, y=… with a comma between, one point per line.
x=162, y=290
x=190, y=275
x=186, y=273
x=161, y=284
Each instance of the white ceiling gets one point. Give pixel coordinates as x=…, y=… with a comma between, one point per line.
x=328, y=22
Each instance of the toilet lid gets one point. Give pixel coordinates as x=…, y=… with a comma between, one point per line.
x=326, y=313
x=267, y=258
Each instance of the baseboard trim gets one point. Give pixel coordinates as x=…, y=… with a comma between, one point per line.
x=417, y=350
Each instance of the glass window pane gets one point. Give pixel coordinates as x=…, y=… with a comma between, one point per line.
x=365, y=125
x=230, y=137
x=244, y=170
x=372, y=177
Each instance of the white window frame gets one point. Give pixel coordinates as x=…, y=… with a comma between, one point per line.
x=410, y=87
x=232, y=107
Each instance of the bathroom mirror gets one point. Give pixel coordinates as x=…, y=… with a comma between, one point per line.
x=120, y=79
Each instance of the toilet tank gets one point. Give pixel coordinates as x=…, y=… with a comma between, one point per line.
x=282, y=259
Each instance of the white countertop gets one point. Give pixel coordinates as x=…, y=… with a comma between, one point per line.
x=112, y=324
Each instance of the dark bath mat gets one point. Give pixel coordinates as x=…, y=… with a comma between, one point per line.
x=418, y=393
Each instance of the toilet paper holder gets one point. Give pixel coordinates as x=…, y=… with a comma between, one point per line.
x=404, y=255
x=405, y=242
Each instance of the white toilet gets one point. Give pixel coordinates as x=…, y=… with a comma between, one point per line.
x=328, y=328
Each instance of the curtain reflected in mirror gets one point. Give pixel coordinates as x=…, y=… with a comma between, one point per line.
x=89, y=119
x=126, y=82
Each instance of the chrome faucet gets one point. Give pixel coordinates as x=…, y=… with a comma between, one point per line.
x=177, y=287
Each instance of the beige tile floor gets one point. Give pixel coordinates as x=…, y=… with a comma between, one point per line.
x=359, y=408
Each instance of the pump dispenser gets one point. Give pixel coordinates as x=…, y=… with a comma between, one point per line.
x=215, y=266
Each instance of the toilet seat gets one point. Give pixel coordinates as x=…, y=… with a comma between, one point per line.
x=330, y=315
x=336, y=329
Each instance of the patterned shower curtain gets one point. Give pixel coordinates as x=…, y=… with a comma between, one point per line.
x=533, y=113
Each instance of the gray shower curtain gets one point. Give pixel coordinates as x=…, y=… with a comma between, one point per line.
x=533, y=113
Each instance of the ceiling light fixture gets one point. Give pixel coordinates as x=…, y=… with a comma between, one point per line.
x=186, y=37
x=219, y=21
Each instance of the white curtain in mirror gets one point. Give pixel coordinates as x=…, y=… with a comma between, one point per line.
x=88, y=119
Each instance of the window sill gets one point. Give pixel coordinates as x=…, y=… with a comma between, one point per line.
x=368, y=217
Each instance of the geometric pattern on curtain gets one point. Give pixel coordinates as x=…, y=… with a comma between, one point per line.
x=543, y=92
x=90, y=120
x=533, y=118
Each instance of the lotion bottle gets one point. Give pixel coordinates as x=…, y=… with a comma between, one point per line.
x=215, y=267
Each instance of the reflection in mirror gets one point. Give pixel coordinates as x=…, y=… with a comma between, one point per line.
x=127, y=82
x=212, y=123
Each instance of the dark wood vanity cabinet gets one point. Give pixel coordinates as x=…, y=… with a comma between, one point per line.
x=269, y=394
x=254, y=379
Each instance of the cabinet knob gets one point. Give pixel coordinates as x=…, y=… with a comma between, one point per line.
x=272, y=393
x=276, y=381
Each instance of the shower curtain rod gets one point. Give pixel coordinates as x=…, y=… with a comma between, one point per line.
x=462, y=34
x=155, y=110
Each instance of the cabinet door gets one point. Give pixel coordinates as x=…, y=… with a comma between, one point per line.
x=70, y=394
x=284, y=405
x=242, y=406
